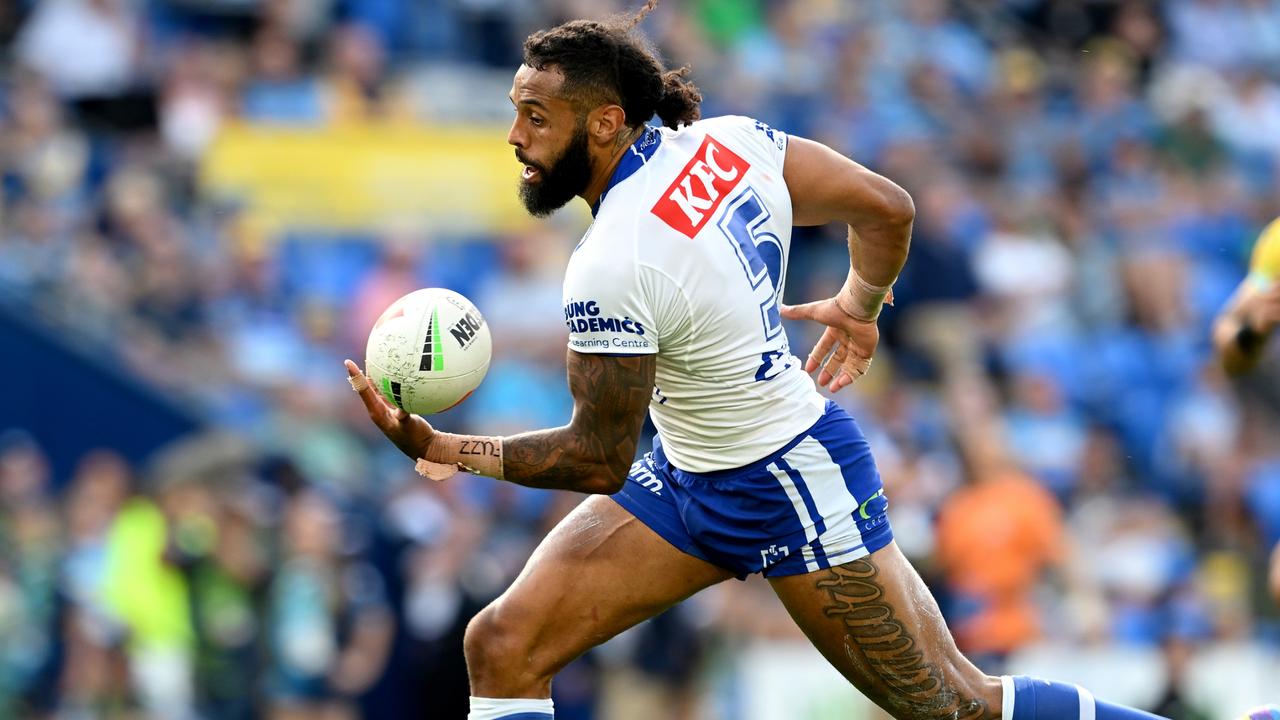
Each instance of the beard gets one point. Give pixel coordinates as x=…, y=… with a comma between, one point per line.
x=559, y=182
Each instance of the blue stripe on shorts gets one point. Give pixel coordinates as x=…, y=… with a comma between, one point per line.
x=816, y=502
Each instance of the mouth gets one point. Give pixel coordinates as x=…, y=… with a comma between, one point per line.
x=530, y=173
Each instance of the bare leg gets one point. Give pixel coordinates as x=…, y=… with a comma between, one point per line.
x=877, y=623
x=599, y=572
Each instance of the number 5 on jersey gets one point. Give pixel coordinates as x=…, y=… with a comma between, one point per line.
x=764, y=262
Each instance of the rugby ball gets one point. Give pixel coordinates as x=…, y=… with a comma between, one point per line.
x=428, y=351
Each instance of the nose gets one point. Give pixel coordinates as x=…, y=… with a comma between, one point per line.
x=515, y=136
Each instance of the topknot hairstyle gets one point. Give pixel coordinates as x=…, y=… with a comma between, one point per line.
x=608, y=62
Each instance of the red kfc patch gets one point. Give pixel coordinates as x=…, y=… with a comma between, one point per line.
x=700, y=187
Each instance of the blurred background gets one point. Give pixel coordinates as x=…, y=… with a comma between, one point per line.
x=204, y=204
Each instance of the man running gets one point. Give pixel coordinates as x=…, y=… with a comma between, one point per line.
x=672, y=301
x=1244, y=328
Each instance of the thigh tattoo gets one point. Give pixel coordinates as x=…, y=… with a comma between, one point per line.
x=884, y=652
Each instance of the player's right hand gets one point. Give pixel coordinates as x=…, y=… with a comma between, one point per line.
x=845, y=349
x=1261, y=309
x=408, y=432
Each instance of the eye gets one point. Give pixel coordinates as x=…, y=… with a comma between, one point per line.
x=537, y=121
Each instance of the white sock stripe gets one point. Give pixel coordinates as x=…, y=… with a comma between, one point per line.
x=498, y=708
x=1087, y=708
x=1006, y=703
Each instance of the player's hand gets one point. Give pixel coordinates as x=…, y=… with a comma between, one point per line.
x=408, y=432
x=1261, y=310
x=845, y=349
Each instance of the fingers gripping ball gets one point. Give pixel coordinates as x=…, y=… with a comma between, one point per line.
x=428, y=351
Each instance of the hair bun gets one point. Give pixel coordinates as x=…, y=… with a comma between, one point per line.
x=679, y=104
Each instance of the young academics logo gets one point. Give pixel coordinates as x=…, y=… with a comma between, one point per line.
x=700, y=187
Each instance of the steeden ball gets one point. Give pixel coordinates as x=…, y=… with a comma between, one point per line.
x=428, y=351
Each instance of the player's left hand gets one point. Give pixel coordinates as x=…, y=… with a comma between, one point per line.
x=845, y=349
x=408, y=432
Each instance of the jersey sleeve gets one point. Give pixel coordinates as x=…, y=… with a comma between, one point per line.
x=763, y=143
x=1264, y=267
x=609, y=311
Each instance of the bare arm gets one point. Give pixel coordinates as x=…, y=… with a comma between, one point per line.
x=591, y=454
x=1240, y=333
x=827, y=187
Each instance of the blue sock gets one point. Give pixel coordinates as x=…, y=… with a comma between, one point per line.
x=1027, y=698
x=510, y=709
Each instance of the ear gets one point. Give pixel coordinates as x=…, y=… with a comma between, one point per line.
x=605, y=122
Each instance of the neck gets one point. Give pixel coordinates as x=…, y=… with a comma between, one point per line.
x=600, y=178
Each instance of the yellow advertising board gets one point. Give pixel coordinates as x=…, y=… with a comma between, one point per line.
x=447, y=179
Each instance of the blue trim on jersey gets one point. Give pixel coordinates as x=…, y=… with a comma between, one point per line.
x=635, y=158
x=529, y=716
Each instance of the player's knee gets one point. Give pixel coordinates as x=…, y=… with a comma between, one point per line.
x=485, y=641
x=498, y=647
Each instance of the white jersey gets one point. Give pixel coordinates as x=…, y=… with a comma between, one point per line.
x=686, y=259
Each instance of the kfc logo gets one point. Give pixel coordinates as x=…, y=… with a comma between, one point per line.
x=700, y=187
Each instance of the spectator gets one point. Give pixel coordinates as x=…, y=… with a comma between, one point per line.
x=995, y=538
x=328, y=624
x=87, y=48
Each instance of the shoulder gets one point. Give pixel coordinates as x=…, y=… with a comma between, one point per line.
x=732, y=127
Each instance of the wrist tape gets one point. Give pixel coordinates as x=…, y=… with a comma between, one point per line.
x=479, y=454
x=861, y=300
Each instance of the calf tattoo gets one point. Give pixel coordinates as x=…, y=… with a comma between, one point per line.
x=883, y=651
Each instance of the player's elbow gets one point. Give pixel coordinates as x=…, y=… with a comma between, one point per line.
x=893, y=205
x=606, y=480
x=881, y=207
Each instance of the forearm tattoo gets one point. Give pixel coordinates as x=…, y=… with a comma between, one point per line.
x=883, y=651
x=611, y=395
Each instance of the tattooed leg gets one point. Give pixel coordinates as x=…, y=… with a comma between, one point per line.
x=877, y=623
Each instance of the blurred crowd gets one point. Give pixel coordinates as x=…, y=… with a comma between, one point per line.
x=1065, y=462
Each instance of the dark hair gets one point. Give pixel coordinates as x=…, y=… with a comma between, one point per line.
x=608, y=62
